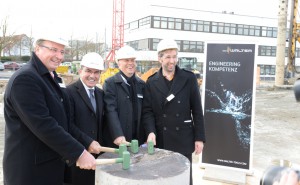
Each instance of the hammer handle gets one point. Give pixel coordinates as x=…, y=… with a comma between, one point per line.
x=108, y=161
x=107, y=149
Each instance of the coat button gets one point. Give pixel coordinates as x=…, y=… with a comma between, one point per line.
x=165, y=128
x=61, y=100
x=177, y=115
x=127, y=97
x=177, y=128
x=164, y=115
x=178, y=101
x=67, y=161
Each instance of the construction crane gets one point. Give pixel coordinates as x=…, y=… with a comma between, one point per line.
x=117, y=39
x=117, y=29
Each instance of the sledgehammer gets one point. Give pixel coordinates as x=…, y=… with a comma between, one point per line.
x=119, y=150
x=125, y=160
x=134, y=145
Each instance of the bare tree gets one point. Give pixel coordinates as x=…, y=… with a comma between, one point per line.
x=4, y=37
x=82, y=47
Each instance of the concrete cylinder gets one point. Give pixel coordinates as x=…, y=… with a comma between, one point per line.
x=161, y=168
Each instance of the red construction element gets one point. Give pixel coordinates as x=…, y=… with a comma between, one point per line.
x=117, y=29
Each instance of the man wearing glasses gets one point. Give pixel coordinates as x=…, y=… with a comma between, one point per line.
x=38, y=142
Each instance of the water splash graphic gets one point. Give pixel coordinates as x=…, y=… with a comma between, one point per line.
x=238, y=107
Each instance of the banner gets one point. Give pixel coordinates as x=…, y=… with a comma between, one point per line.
x=229, y=91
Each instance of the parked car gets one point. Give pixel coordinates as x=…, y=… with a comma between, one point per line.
x=1, y=66
x=11, y=65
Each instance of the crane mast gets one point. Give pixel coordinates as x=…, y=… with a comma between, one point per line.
x=117, y=29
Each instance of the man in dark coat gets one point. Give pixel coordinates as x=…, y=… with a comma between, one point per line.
x=172, y=110
x=123, y=95
x=87, y=119
x=38, y=142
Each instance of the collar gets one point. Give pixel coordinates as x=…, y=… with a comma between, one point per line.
x=87, y=88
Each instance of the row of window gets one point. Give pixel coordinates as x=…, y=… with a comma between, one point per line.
x=203, y=26
x=271, y=51
x=198, y=47
x=184, y=45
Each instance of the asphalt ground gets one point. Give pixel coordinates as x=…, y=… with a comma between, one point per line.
x=276, y=134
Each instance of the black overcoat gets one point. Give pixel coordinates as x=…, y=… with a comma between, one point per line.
x=174, y=115
x=89, y=122
x=119, y=108
x=37, y=142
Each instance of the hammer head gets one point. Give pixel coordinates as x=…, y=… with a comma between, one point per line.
x=150, y=147
x=126, y=160
x=134, y=146
x=122, y=148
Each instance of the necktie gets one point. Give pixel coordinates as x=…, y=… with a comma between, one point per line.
x=92, y=98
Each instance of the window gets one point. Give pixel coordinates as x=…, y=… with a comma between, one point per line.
x=178, y=24
x=154, y=44
x=268, y=32
x=156, y=22
x=203, y=26
x=145, y=22
x=193, y=46
x=166, y=23
x=267, y=69
x=189, y=25
x=267, y=51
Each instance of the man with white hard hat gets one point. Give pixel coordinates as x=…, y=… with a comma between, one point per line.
x=123, y=95
x=87, y=113
x=172, y=111
x=38, y=133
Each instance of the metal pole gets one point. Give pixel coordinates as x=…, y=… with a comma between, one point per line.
x=281, y=39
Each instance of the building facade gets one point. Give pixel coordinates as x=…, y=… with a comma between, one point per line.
x=192, y=29
x=18, y=45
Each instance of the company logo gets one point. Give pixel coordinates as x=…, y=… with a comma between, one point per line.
x=230, y=50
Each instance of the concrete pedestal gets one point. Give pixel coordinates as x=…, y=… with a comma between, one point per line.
x=162, y=168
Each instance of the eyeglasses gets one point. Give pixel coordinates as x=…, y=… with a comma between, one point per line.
x=54, y=50
x=169, y=57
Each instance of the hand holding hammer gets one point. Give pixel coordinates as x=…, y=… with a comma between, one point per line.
x=125, y=160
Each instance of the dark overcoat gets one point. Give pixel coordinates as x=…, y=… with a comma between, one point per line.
x=174, y=115
x=119, y=108
x=88, y=122
x=37, y=142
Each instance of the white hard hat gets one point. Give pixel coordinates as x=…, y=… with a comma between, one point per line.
x=166, y=44
x=92, y=60
x=125, y=52
x=57, y=38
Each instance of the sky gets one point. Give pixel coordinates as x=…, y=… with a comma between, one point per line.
x=92, y=19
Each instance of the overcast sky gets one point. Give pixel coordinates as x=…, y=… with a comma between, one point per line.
x=91, y=18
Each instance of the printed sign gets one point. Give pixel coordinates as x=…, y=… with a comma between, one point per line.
x=228, y=104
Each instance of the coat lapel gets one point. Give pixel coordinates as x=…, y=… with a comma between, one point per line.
x=119, y=79
x=160, y=83
x=179, y=82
